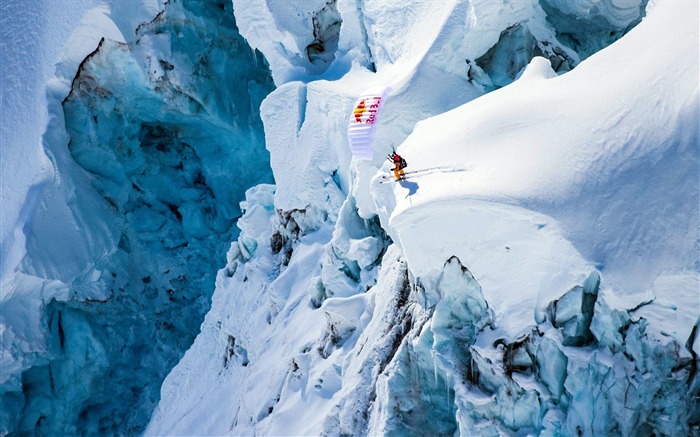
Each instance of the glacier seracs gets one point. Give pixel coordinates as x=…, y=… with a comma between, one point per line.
x=544, y=297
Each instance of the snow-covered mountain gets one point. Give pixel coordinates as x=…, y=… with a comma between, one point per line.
x=537, y=272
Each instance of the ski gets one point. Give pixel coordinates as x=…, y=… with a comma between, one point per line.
x=428, y=171
x=391, y=179
x=387, y=176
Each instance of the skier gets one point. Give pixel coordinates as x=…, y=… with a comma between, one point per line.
x=399, y=165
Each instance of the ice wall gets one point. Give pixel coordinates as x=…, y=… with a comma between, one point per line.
x=590, y=25
x=165, y=137
x=31, y=41
x=42, y=46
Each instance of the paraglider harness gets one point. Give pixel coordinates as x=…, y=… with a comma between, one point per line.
x=399, y=163
x=397, y=160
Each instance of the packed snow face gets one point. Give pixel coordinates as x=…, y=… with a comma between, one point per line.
x=499, y=289
x=166, y=133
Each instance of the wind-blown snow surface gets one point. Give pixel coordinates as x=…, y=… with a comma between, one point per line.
x=538, y=273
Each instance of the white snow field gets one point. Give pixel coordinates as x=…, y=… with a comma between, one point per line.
x=597, y=169
x=539, y=269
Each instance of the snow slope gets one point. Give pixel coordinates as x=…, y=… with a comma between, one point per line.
x=608, y=153
x=538, y=273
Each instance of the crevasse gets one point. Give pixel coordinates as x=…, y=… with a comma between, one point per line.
x=168, y=132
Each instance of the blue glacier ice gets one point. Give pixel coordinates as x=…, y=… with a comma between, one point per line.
x=574, y=30
x=168, y=132
x=587, y=27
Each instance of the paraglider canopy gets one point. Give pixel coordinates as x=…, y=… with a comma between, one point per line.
x=364, y=119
